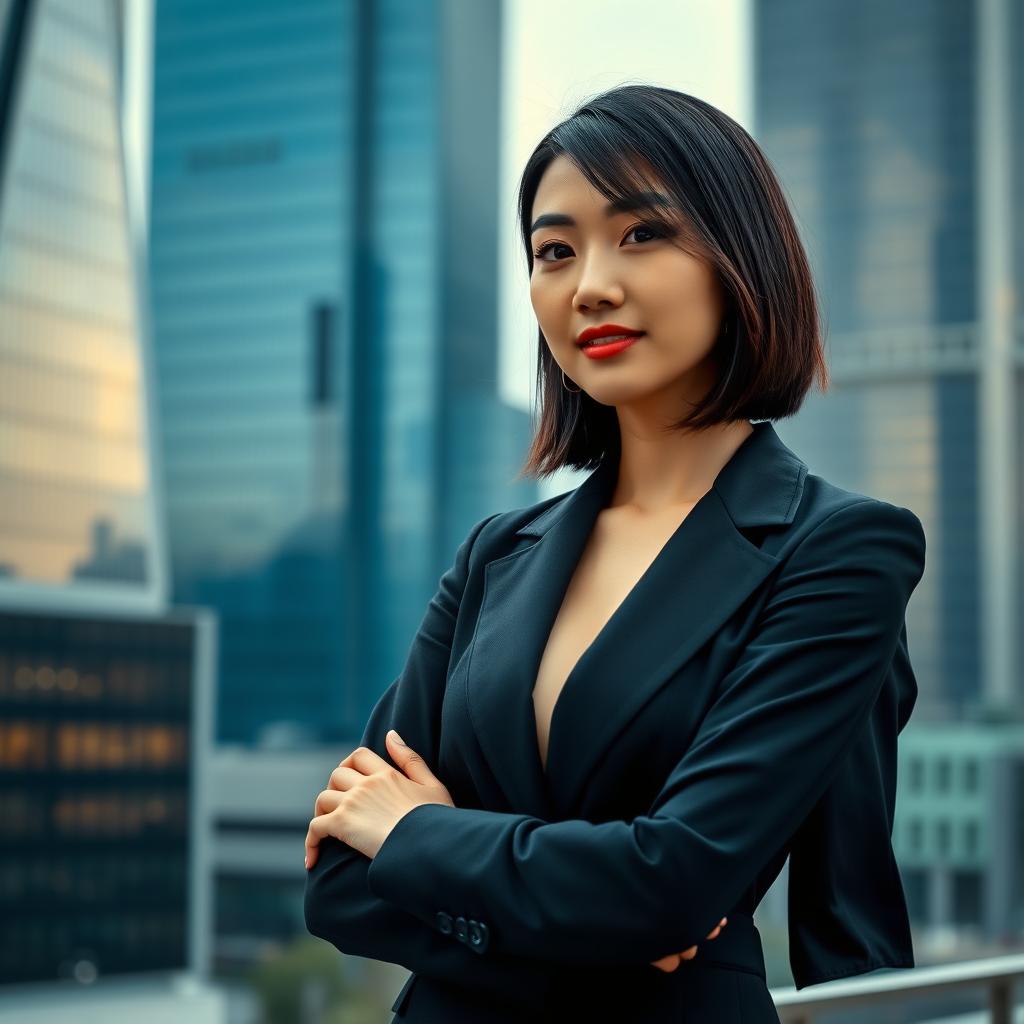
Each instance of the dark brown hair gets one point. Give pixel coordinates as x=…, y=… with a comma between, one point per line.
x=734, y=214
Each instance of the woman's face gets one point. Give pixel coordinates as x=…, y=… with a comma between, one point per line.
x=609, y=269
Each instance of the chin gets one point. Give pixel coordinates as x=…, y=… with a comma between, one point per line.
x=620, y=393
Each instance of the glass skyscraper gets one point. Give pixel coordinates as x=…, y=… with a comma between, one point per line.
x=868, y=113
x=896, y=134
x=101, y=719
x=324, y=276
x=75, y=480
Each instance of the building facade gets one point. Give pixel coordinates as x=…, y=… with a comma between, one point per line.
x=897, y=135
x=103, y=688
x=323, y=264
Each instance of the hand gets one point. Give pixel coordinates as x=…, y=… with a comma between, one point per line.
x=673, y=960
x=366, y=797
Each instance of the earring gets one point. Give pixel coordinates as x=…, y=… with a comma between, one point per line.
x=567, y=388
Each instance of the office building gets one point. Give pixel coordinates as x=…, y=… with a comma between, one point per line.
x=103, y=689
x=323, y=265
x=895, y=131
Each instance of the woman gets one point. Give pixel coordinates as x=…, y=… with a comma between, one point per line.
x=627, y=705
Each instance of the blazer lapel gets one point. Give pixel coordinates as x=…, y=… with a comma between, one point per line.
x=702, y=574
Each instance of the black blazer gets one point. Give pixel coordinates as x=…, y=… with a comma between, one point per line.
x=741, y=705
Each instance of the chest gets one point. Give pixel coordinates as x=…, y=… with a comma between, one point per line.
x=617, y=555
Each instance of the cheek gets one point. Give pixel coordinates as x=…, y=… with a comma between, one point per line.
x=692, y=299
x=536, y=293
x=544, y=300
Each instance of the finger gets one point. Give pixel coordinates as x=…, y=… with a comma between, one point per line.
x=318, y=829
x=343, y=777
x=365, y=761
x=714, y=931
x=312, y=841
x=310, y=851
x=667, y=963
x=327, y=801
x=408, y=760
x=689, y=954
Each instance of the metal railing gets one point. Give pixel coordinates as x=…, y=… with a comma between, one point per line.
x=997, y=974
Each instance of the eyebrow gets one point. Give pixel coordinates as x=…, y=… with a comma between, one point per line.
x=625, y=204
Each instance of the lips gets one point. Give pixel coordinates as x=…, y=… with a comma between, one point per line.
x=604, y=332
x=610, y=339
x=608, y=348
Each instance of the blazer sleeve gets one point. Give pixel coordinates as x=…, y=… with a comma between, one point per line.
x=780, y=723
x=338, y=903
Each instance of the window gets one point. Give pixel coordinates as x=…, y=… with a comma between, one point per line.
x=916, y=835
x=970, y=836
x=916, y=775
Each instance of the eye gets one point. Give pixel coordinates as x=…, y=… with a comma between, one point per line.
x=649, y=228
x=539, y=253
x=653, y=230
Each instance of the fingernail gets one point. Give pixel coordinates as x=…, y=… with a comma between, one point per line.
x=305, y=863
x=397, y=737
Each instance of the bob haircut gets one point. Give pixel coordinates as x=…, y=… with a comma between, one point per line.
x=731, y=212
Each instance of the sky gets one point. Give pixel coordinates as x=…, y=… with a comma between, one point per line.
x=555, y=55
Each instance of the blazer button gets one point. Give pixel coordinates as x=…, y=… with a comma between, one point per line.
x=477, y=936
x=444, y=922
x=461, y=930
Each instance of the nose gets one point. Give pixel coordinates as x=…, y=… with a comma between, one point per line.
x=597, y=286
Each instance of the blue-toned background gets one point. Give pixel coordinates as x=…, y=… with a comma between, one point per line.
x=266, y=354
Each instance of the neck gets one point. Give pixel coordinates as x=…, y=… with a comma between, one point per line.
x=661, y=470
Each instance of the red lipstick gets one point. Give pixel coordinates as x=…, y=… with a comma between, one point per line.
x=596, y=342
